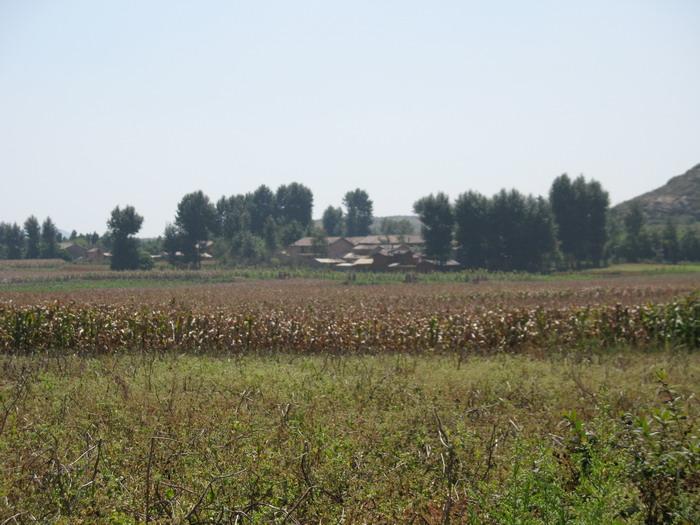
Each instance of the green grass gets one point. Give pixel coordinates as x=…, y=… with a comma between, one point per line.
x=647, y=268
x=372, y=439
x=104, y=284
x=59, y=279
x=47, y=278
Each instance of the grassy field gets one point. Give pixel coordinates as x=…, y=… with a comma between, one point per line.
x=189, y=398
x=57, y=275
x=597, y=438
x=646, y=269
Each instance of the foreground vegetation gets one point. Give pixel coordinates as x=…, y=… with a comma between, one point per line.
x=310, y=401
x=594, y=437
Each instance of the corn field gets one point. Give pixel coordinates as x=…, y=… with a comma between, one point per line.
x=107, y=328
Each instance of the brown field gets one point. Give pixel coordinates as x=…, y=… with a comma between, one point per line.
x=276, y=293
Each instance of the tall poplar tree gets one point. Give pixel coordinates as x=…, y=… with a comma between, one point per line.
x=295, y=203
x=471, y=212
x=437, y=219
x=358, y=215
x=333, y=221
x=580, y=209
x=33, y=232
x=49, y=239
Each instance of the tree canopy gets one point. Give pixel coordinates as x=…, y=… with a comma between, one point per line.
x=295, y=204
x=509, y=231
x=195, y=220
x=580, y=210
x=33, y=233
x=437, y=220
x=358, y=215
x=333, y=221
x=123, y=224
x=49, y=239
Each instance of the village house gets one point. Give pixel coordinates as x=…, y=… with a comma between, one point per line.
x=371, y=253
x=204, y=249
x=95, y=255
x=74, y=251
x=326, y=247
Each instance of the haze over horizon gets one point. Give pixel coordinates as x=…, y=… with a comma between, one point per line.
x=139, y=103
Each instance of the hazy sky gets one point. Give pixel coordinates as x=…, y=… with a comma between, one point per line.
x=139, y=102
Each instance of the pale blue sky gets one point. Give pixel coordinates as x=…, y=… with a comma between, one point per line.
x=105, y=103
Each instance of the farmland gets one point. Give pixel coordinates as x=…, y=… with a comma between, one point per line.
x=233, y=397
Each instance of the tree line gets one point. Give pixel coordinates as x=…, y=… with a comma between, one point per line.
x=633, y=240
x=570, y=229
x=251, y=227
x=509, y=231
x=29, y=241
x=512, y=231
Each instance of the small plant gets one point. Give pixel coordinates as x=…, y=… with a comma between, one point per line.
x=664, y=448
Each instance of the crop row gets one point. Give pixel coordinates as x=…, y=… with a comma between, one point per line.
x=107, y=328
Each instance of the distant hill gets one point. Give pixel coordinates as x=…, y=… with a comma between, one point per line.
x=678, y=199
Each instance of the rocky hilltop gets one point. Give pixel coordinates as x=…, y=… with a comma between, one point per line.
x=678, y=199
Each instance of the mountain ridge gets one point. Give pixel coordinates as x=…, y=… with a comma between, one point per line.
x=678, y=199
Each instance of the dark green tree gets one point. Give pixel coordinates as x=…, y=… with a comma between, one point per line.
x=3, y=234
x=33, y=232
x=49, y=240
x=172, y=242
x=270, y=235
x=562, y=199
x=233, y=215
x=652, y=244
x=358, y=215
x=635, y=244
x=291, y=232
x=195, y=219
x=333, y=221
x=390, y=226
x=472, y=219
x=598, y=204
x=582, y=246
x=690, y=246
x=294, y=203
x=261, y=206
x=522, y=230
x=13, y=238
x=505, y=244
x=580, y=211
x=510, y=231
x=634, y=220
x=247, y=248
x=123, y=224
x=539, y=237
x=669, y=242
x=435, y=213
